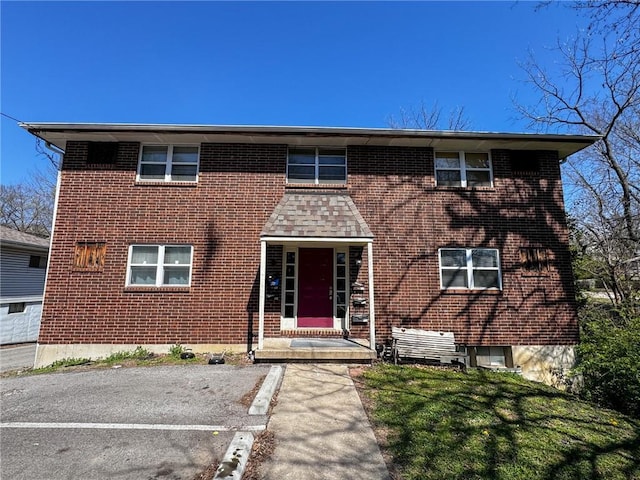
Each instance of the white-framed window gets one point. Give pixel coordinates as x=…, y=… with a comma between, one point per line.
x=169, y=163
x=463, y=169
x=317, y=165
x=470, y=268
x=159, y=265
x=341, y=277
x=289, y=284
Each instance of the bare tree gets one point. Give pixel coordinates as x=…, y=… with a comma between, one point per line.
x=616, y=18
x=28, y=206
x=595, y=89
x=26, y=210
x=424, y=117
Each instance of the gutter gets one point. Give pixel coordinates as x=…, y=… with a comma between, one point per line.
x=51, y=147
x=25, y=246
x=266, y=130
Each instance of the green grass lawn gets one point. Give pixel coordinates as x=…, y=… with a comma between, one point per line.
x=442, y=424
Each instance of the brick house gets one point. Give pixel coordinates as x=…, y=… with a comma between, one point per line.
x=237, y=238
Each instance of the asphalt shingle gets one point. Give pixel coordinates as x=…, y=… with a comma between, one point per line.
x=313, y=213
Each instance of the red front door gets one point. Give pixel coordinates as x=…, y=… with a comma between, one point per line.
x=315, y=287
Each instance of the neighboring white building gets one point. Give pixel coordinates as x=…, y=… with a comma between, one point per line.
x=23, y=267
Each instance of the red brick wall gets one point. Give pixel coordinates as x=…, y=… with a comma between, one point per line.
x=411, y=219
x=222, y=216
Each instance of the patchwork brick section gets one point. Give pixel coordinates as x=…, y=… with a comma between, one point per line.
x=224, y=213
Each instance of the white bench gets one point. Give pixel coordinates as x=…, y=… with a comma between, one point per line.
x=425, y=345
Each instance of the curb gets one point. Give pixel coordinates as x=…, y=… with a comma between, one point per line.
x=260, y=405
x=235, y=459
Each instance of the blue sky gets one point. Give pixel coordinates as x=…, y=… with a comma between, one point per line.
x=267, y=63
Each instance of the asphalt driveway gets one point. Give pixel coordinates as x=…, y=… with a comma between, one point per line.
x=167, y=422
x=14, y=357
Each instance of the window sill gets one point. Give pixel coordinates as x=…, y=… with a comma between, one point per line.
x=489, y=291
x=168, y=289
x=464, y=189
x=319, y=186
x=149, y=183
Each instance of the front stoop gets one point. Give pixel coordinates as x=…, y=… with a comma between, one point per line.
x=314, y=350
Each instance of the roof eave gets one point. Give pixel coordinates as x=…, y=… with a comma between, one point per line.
x=59, y=133
x=24, y=246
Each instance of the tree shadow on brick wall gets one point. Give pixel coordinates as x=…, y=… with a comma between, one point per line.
x=417, y=219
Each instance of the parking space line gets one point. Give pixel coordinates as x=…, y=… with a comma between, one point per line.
x=134, y=426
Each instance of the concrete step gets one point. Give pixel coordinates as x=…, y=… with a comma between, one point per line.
x=314, y=350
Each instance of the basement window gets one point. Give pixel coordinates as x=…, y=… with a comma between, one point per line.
x=491, y=357
x=17, y=307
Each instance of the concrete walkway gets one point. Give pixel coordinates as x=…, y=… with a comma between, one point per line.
x=321, y=429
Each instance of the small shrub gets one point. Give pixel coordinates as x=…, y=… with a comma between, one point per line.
x=64, y=362
x=176, y=350
x=138, y=354
x=609, y=359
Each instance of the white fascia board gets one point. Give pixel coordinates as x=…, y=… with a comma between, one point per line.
x=59, y=133
x=352, y=240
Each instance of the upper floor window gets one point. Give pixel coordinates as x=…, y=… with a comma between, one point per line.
x=469, y=268
x=463, y=169
x=159, y=265
x=169, y=163
x=317, y=165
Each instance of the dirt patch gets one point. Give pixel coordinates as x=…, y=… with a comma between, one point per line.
x=247, y=398
x=208, y=472
x=237, y=359
x=263, y=446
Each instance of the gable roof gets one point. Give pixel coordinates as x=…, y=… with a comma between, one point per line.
x=59, y=134
x=9, y=236
x=316, y=214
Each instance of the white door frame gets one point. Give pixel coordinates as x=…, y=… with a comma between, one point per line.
x=308, y=242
